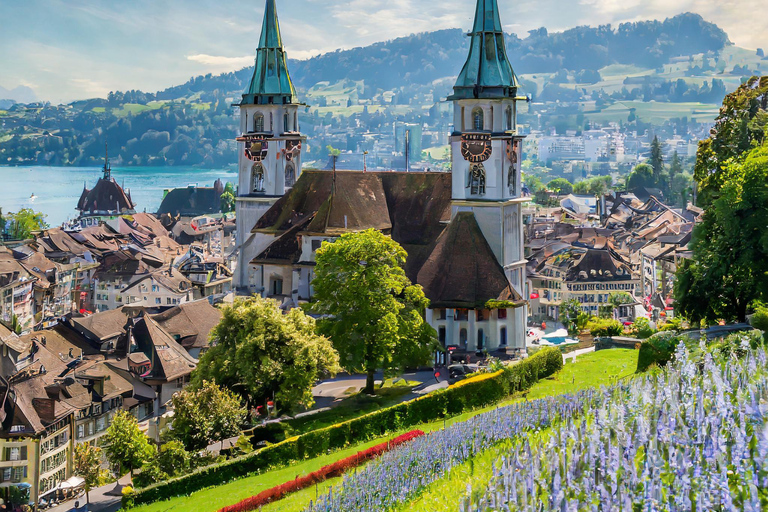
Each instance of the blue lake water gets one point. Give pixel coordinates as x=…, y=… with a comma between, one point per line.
x=57, y=189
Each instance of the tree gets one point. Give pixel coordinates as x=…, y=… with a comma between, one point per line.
x=261, y=353
x=20, y=226
x=741, y=123
x=675, y=165
x=370, y=309
x=618, y=299
x=657, y=160
x=125, y=444
x=227, y=198
x=569, y=315
x=560, y=186
x=204, y=415
x=88, y=466
x=729, y=269
x=640, y=177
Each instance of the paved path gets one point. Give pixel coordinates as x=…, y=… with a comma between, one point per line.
x=102, y=499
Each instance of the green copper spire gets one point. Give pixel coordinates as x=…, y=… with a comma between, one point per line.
x=487, y=72
x=271, y=82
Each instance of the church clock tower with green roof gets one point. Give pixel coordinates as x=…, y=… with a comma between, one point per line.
x=487, y=146
x=270, y=145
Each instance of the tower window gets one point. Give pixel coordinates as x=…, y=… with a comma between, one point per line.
x=290, y=174
x=258, y=122
x=509, y=117
x=285, y=122
x=477, y=119
x=257, y=178
x=477, y=179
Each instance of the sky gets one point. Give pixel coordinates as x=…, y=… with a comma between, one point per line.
x=74, y=49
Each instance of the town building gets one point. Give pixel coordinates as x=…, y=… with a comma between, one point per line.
x=106, y=201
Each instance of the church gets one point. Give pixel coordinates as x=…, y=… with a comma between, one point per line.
x=463, y=230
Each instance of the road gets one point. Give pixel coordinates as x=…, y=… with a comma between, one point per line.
x=103, y=499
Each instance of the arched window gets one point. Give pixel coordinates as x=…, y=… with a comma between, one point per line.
x=480, y=339
x=257, y=178
x=258, y=122
x=477, y=119
x=477, y=179
x=503, y=337
x=285, y=122
x=290, y=174
x=463, y=338
x=508, y=118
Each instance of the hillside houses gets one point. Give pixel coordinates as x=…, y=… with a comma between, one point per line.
x=587, y=250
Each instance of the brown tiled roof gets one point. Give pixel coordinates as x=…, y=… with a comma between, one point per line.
x=462, y=271
x=598, y=265
x=107, y=195
x=104, y=325
x=150, y=223
x=12, y=340
x=191, y=322
x=169, y=359
x=286, y=249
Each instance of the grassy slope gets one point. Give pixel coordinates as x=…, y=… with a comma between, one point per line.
x=589, y=370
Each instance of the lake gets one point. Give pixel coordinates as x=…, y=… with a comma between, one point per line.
x=57, y=189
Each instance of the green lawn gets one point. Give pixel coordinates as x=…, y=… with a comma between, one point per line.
x=589, y=370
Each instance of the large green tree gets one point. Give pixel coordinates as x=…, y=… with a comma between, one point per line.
x=641, y=176
x=126, y=446
x=729, y=268
x=742, y=122
x=20, y=225
x=261, y=353
x=205, y=414
x=369, y=308
x=560, y=186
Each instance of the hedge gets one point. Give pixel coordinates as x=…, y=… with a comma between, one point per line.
x=330, y=471
x=480, y=391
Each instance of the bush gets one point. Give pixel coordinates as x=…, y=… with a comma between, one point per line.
x=672, y=324
x=271, y=433
x=480, y=391
x=642, y=328
x=127, y=500
x=760, y=320
x=736, y=344
x=658, y=349
x=605, y=328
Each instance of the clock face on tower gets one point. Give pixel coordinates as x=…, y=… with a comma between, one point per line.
x=476, y=147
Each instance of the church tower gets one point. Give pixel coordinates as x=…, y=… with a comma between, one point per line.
x=487, y=147
x=269, y=149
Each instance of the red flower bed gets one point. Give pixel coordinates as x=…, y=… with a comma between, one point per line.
x=329, y=471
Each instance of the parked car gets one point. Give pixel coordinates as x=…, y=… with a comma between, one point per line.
x=460, y=371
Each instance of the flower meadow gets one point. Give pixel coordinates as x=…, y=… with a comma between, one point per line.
x=400, y=474
x=693, y=437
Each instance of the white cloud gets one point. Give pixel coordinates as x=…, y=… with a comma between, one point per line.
x=217, y=61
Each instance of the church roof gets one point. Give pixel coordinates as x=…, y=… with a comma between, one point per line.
x=462, y=271
x=107, y=195
x=487, y=72
x=270, y=74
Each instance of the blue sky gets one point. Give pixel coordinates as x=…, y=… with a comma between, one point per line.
x=74, y=49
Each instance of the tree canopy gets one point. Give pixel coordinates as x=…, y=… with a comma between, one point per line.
x=370, y=309
x=261, y=353
x=88, y=466
x=205, y=414
x=20, y=225
x=729, y=269
x=742, y=122
x=126, y=446
x=560, y=186
x=641, y=176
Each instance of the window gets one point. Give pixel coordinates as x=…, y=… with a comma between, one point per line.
x=258, y=122
x=477, y=179
x=508, y=118
x=463, y=338
x=158, y=300
x=316, y=245
x=440, y=314
x=80, y=431
x=441, y=335
x=477, y=119
x=168, y=301
x=277, y=287
x=290, y=174
x=257, y=178
x=155, y=288
x=502, y=314
x=100, y=424
x=480, y=339
x=503, y=337
x=285, y=122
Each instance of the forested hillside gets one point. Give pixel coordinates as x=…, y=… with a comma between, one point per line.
x=194, y=123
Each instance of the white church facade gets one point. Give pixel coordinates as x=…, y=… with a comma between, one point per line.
x=463, y=230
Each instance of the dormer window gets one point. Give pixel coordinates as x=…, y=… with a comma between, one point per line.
x=258, y=122
x=477, y=119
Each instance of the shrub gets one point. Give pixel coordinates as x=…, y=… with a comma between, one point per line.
x=658, y=349
x=324, y=473
x=760, y=320
x=127, y=501
x=604, y=328
x=736, y=344
x=465, y=395
x=642, y=328
x=672, y=324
